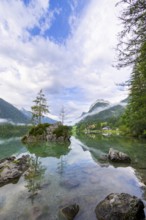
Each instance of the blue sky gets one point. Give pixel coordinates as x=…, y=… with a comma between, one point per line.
x=61, y=27
x=65, y=47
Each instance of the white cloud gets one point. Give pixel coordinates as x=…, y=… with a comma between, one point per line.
x=84, y=62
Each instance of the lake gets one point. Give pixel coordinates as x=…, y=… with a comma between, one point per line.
x=66, y=174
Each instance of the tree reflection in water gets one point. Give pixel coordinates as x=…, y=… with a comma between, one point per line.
x=34, y=177
x=36, y=172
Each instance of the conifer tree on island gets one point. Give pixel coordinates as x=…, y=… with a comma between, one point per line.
x=40, y=108
x=62, y=115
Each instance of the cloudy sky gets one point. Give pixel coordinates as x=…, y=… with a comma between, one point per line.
x=65, y=47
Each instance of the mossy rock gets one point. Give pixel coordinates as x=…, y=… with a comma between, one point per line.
x=62, y=130
x=40, y=129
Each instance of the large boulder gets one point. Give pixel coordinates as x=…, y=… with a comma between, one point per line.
x=11, y=169
x=117, y=156
x=120, y=207
x=69, y=212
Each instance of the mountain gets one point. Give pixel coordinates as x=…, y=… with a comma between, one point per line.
x=98, y=106
x=95, y=108
x=102, y=110
x=45, y=119
x=9, y=113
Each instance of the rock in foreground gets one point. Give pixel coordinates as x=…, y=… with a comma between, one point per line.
x=120, y=207
x=70, y=211
x=11, y=169
x=116, y=156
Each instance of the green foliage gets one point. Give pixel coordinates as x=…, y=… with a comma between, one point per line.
x=10, y=130
x=134, y=117
x=40, y=108
x=40, y=129
x=62, y=130
x=111, y=114
x=73, y=131
x=97, y=124
x=133, y=35
x=49, y=149
x=133, y=18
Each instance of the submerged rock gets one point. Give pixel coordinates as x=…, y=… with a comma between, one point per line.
x=40, y=212
x=11, y=169
x=69, y=212
x=69, y=183
x=116, y=156
x=120, y=207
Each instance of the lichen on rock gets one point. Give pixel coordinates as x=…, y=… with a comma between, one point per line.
x=11, y=169
x=120, y=207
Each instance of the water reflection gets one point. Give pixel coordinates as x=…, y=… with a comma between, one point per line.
x=36, y=173
x=34, y=177
x=11, y=146
x=49, y=149
x=99, y=146
x=60, y=175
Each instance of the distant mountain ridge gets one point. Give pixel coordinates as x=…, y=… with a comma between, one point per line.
x=10, y=114
x=100, y=103
x=45, y=119
x=102, y=110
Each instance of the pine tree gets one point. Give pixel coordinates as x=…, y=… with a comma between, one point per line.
x=132, y=51
x=40, y=108
x=133, y=35
x=135, y=113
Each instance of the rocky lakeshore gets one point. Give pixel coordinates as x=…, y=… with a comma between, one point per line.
x=11, y=169
x=114, y=207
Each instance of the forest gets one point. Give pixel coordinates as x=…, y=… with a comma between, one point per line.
x=132, y=52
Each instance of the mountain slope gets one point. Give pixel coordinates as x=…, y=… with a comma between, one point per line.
x=98, y=105
x=104, y=115
x=10, y=113
x=45, y=119
x=103, y=111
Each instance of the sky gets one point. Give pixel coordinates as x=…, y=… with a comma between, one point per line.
x=64, y=47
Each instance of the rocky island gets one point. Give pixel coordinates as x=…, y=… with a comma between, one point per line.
x=48, y=132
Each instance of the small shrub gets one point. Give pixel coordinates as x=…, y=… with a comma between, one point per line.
x=40, y=129
x=62, y=131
